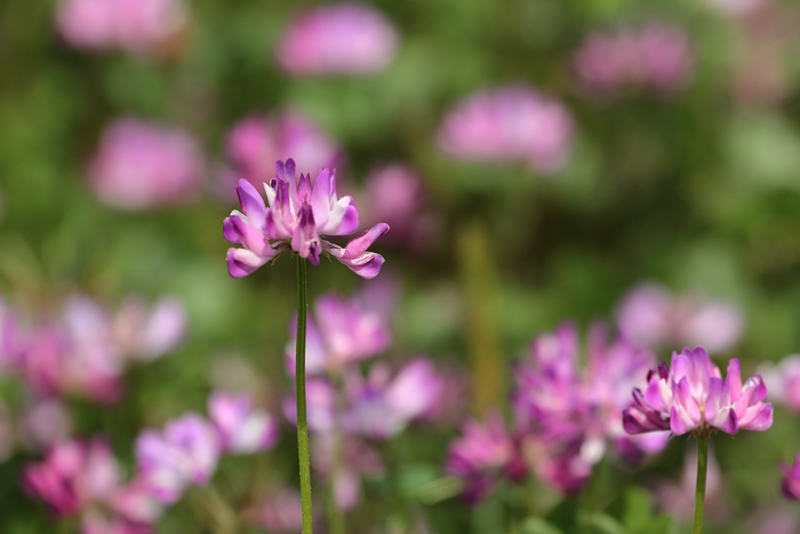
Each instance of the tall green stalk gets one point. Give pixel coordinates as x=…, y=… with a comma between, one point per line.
x=300, y=383
x=700, y=492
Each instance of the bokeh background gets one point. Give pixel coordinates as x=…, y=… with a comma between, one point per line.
x=609, y=143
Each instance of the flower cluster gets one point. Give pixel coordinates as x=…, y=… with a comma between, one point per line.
x=297, y=217
x=347, y=38
x=650, y=316
x=347, y=409
x=655, y=57
x=562, y=416
x=84, y=351
x=135, y=25
x=257, y=142
x=690, y=396
x=83, y=478
x=141, y=165
x=188, y=449
x=509, y=124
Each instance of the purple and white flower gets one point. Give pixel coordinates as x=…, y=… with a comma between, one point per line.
x=241, y=428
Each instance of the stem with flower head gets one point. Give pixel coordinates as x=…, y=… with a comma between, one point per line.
x=700, y=492
x=300, y=384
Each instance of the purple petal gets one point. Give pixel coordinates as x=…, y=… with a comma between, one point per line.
x=252, y=204
x=242, y=262
x=252, y=239
x=323, y=196
x=228, y=232
x=676, y=424
x=305, y=240
x=734, y=379
x=343, y=219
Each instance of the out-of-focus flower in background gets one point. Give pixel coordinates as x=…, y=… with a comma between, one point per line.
x=791, y=479
x=514, y=123
x=656, y=57
x=83, y=478
x=677, y=499
x=135, y=25
x=256, y=142
x=737, y=8
x=783, y=381
x=395, y=195
x=241, y=427
x=44, y=423
x=690, y=395
x=141, y=165
x=649, y=315
x=279, y=512
x=297, y=217
x=344, y=332
x=346, y=38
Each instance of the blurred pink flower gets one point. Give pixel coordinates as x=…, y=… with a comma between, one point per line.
x=484, y=453
x=791, y=479
x=45, y=423
x=280, y=512
x=146, y=334
x=344, y=332
x=135, y=25
x=394, y=194
x=320, y=404
x=255, y=143
x=241, y=428
x=380, y=407
x=650, y=316
x=356, y=459
x=691, y=396
x=346, y=38
x=141, y=165
x=783, y=381
x=83, y=478
x=656, y=57
x=737, y=8
x=511, y=123
x=297, y=217
x=186, y=452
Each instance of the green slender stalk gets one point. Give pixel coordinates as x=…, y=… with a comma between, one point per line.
x=700, y=492
x=300, y=382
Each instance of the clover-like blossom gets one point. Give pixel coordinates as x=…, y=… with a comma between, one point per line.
x=241, y=428
x=783, y=381
x=344, y=331
x=186, y=452
x=83, y=478
x=691, y=395
x=346, y=38
x=297, y=217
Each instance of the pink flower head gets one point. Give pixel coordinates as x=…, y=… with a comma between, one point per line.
x=381, y=408
x=649, y=315
x=83, y=478
x=483, y=453
x=146, y=334
x=45, y=423
x=347, y=38
x=135, y=25
x=297, y=217
x=241, y=428
x=512, y=123
x=783, y=381
x=656, y=57
x=791, y=479
x=320, y=405
x=256, y=142
x=344, y=332
x=691, y=396
x=186, y=452
x=141, y=165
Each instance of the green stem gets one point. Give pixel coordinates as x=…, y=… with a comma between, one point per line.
x=300, y=382
x=700, y=492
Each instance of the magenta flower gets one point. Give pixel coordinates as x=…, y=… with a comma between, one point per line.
x=141, y=165
x=135, y=25
x=656, y=57
x=513, y=123
x=791, y=479
x=344, y=332
x=241, y=428
x=649, y=315
x=691, y=396
x=186, y=452
x=82, y=478
x=347, y=38
x=296, y=219
x=484, y=453
x=257, y=142
x=146, y=334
